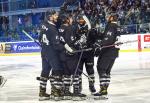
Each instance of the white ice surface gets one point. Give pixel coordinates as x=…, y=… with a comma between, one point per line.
x=130, y=82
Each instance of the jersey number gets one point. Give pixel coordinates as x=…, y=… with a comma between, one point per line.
x=45, y=40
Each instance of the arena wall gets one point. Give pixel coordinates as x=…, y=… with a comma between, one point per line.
x=141, y=43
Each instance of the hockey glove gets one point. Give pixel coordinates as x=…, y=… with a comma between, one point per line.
x=83, y=39
x=81, y=43
x=69, y=50
x=118, y=42
x=97, y=45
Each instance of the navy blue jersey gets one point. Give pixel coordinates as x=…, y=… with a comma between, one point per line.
x=49, y=39
x=67, y=35
x=109, y=37
x=110, y=34
x=81, y=31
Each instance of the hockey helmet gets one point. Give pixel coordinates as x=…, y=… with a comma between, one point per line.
x=50, y=13
x=80, y=19
x=65, y=18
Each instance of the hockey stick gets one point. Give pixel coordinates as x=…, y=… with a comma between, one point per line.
x=36, y=41
x=77, y=67
x=77, y=51
x=85, y=75
x=119, y=43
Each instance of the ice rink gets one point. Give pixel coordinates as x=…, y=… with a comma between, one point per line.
x=130, y=82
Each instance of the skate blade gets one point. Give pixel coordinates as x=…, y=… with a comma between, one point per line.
x=78, y=98
x=67, y=97
x=51, y=97
x=4, y=81
x=58, y=98
x=104, y=97
x=92, y=93
x=44, y=98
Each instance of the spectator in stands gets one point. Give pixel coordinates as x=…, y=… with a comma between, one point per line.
x=33, y=4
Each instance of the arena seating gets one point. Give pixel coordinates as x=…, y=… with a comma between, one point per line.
x=134, y=16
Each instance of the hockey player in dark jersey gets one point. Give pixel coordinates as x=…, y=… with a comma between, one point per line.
x=67, y=36
x=84, y=41
x=51, y=47
x=107, y=56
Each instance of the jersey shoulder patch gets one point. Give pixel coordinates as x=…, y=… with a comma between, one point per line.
x=109, y=33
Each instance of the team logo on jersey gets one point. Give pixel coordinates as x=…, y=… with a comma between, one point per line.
x=72, y=38
x=61, y=30
x=109, y=33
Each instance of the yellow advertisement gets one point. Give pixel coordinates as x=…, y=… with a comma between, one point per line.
x=2, y=47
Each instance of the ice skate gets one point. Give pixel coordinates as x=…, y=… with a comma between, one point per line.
x=92, y=90
x=2, y=81
x=43, y=95
x=91, y=84
x=102, y=94
x=57, y=94
x=78, y=97
x=67, y=95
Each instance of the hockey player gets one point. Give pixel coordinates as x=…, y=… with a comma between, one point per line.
x=2, y=81
x=66, y=37
x=51, y=47
x=69, y=60
x=107, y=56
x=85, y=41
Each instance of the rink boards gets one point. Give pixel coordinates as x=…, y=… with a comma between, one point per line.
x=137, y=43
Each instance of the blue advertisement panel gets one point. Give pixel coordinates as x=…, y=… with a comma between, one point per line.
x=23, y=47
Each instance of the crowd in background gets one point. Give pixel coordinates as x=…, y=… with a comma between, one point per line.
x=11, y=5
x=130, y=12
x=133, y=15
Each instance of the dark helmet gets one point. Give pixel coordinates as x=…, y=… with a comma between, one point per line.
x=50, y=13
x=64, y=18
x=80, y=19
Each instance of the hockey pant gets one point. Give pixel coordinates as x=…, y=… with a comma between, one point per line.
x=89, y=63
x=56, y=75
x=69, y=70
x=104, y=66
x=46, y=68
